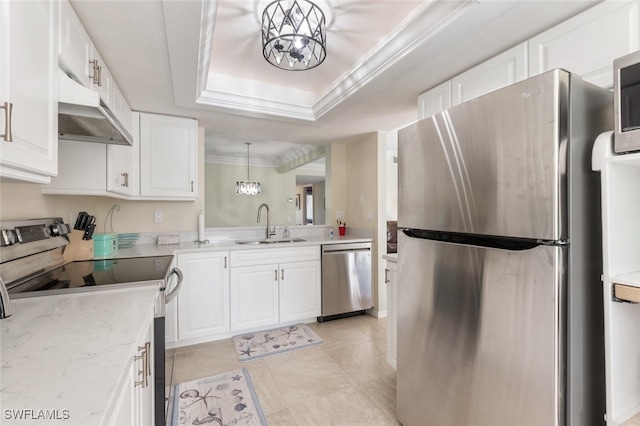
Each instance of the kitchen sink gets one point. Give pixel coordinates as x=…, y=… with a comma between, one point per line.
x=270, y=241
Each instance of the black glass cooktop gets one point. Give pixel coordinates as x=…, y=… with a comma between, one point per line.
x=91, y=274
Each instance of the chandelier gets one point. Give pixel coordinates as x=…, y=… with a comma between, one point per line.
x=248, y=187
x=293, y=35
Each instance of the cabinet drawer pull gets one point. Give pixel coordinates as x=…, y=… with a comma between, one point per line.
x=225, y=262
x=282, y=274
x=386, y=275
x=191, y=186
x=8, y=134
x=124, y=181
x=276, y=275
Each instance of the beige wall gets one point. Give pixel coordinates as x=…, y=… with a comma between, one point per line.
x=21, y=201
x=223, y=207
x=335, y=182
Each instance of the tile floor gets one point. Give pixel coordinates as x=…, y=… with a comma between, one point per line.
x=345, y=381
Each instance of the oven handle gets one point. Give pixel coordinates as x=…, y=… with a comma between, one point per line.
x=171, y=294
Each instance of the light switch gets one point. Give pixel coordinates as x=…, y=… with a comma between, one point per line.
x=157, y=218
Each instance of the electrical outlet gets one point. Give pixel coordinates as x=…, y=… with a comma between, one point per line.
x=157, y=217
x=370, y=216
x=72, y=218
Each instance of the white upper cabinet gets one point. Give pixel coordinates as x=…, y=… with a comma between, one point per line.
x=162, y=157
x=28, y=91
x=435, y=100
x=123, y=171
x=79, y=57
x=168, y=156
x=500, y=71
x=588, y=43
x=74, y=52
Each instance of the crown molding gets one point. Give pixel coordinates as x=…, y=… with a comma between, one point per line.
x=201, y=91
x=237, y=161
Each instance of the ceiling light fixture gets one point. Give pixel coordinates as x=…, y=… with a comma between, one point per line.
x=294, y=35
x=249, y=187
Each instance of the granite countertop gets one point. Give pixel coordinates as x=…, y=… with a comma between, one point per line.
x=68, y=354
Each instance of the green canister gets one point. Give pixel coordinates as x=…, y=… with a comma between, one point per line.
x=105, y=245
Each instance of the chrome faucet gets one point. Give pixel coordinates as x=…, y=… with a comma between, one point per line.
x=5, y=302
x=268, y=232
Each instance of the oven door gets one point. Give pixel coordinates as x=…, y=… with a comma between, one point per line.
x=164, y=358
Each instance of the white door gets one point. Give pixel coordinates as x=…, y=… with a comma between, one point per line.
x=300, y=296
x=254, y=296
x=203, y=310
x=168, y=150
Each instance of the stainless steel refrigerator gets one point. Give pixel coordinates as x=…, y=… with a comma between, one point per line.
x=499, y=296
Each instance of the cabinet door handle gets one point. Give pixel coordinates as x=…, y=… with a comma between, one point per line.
x=225, y=262
x=8, y=134
x=94, y=68
x=100, y=76
x=191, y=186
x=146, y=368
x=276, y=275
x=386, y=275
x=124, y=181
x=282, y=274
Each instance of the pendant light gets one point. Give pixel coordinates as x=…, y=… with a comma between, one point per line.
x=248, y=187
x=294, y=35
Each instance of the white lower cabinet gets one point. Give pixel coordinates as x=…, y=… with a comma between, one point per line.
x=266, y=292
x=203, y=299
x=391, y=274
x=135, y=400
x=300, y=292
x=241, y=290
x=254, y=296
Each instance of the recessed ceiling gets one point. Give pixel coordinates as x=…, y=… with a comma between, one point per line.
x=203, y=59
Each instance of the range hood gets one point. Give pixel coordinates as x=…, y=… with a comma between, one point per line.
x=83, y=117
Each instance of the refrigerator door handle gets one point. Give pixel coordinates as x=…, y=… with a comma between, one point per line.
x=489, y=241
x=564, y=242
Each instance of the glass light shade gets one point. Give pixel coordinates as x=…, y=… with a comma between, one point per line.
x=294, y=35
x=248, y=188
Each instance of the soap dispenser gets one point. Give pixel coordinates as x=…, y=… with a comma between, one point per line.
x=285, y=232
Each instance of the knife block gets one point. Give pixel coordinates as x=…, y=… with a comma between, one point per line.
x=78, y=249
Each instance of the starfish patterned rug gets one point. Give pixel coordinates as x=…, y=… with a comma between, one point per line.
x=224, y=399
x=276, y=341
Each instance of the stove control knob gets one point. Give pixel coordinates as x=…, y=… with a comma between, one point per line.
x=59, y=229
x=9, y=237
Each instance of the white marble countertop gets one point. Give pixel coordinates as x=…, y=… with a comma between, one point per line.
x=68, y=354
x=392, y=257
x=142, y=250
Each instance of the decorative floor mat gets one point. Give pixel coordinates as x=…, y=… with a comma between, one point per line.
x=224, y=399
x=272, y=342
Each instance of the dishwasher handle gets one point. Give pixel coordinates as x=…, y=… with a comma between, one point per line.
x=347, y=247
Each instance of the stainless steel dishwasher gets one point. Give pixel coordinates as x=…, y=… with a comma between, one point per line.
x=346, y=280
